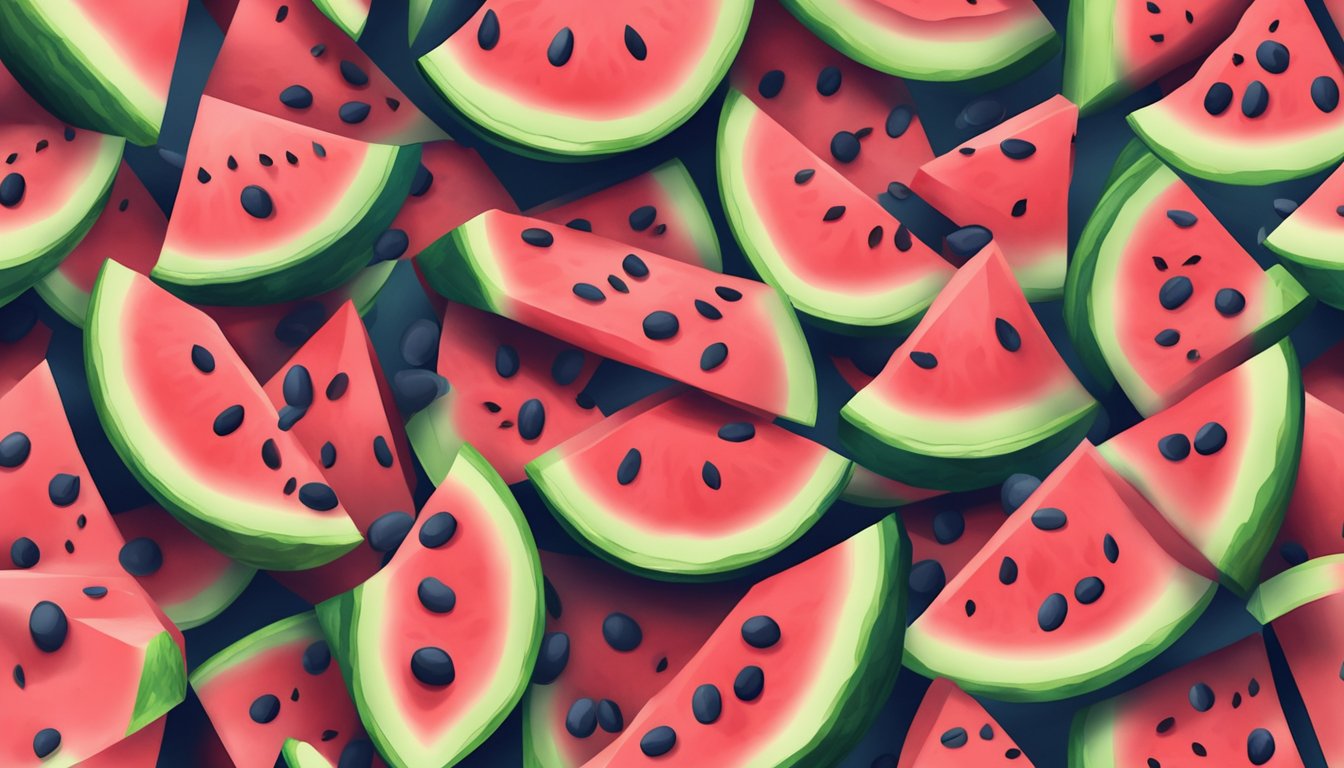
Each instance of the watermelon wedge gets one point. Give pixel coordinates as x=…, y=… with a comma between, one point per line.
x=349, y=15
x=1082, y=585
x=1014, y=180
x=1161, y=299
x=197, y=430
x=951, y=729
x=1300, y=241
x=929, y=417
x=933, y=41
x=432, y=676
x=839, y=256
x=538, y=274
x=1220, y=463
x=93, y=64
x=945, y=534
x=1312, y=524
x=584, y=687
x=802, y=663
x=679, y=486
x=565, y=77
x=452, y=185
x=23, y=343
x=139, y=750
x=1262, y=108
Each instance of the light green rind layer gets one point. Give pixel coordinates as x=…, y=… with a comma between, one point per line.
x=211, y=601
x=1297, y=586
x=71, y=303
x=308, y=263
x=433, y=438
x=300, y=628
x=301, y=754
x=1308, y=255
x=163, y=682
x=1092, y=736
x=866, y=488
x=676, y=181
x=1092, y=76
x=349, y=15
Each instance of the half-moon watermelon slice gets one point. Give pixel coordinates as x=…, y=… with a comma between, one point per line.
x=685, y=486
x=199, y=433
x=349, y=15
x=945, y=413
x=1161, y=299
x=1264, y=106
x=566, y=77
x=1301, y=241
x=1313, y=525
x=951, y=729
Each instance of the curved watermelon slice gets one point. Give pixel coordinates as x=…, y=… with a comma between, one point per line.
x=1018, y=191
x=1300, y=241
x=1223, y=708
x=164, y=412
x=297, y=65
x=278, y=683
x=226, y=241
x=1117, y=47
x=654, y=323
x=567, y=77
x=433, y=676
x=803, y=699
x=1081, y=585
x=930, y=418
x=115, y=669
x=585, y=595
x=1160, y=297
x=839, y=256
x=63, y=185
x=139, y=750
x=945, y=535
x=95, y=64
x=1312, y=523
x=1262, y=108
x=932, y=39
x=349, y=15
x=869, y=489
x=681, y=487
x=1220, y=464
x=951, y=729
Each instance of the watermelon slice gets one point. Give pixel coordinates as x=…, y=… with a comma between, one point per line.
x=92, y=662
x=139, y=750
x=679, y=486
x=946, y=534
x=928, y=40
x=1300, y=241
x=567, y=77
x=584, y=686
x=349, y=15
x=840, y=257
x=802, y=664
x=1249, y=116
x=1161, y=298
x=52, y=195
x=931, y=418
x=1117, y=47
x=432, y=676
x=452, y=185
x=1223, y=708
x=195, y=431
x=224, y=244
x=538, y=274
x=23, y=343
x=94, y=64
x=274, y=684
x=1081, y=585
x=1220, y=464
x=288, y=60
x=1312, y=524
x=951, y=729
x=869, y=489
x=1014, y=180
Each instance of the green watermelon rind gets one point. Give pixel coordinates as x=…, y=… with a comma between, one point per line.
x=341, y=618
x=349, y=15
x=291, y=629
x=301, y=754
x=213, y=600
x=163, y=682
x=433, y=437
x=1302, y=584
x=1303, y=249
x=1092, y=76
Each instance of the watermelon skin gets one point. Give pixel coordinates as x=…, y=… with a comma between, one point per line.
x=1228, y=503
x=931, y=41
x=839, y=614
x=491, y=637
x=601, y=99
x=1114, y=271
x=996, y=645
x=96, y=67
x=668, y=521
x=349, y=15
x=940, y=427
x=984, y=188
x=244, y=513
x=1300, y=242
x=1312, y=524
x=848, y=275
x=944, y=708
x=485, y=263
x=1291, y=138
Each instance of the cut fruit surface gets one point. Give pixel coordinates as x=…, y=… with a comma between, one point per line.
x=869, y=489
x=951, y=729
x=946, y=534
x=1312, y=524
x=1300, y=241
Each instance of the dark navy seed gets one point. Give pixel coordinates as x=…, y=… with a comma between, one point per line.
x=338, y=386
x=617, y=284
x=1088, y=590
x=621, y=632
x=432, y=666
x=290, y=485
x=46, y=741
x=264, y=708
x=202, y=176
x=966, y=151
x=567, y=367
x=581, y=719
x=1255, y=99
x=552, y=658
x=95, y=593
x=760, y=631
x=589, y=292
x=899, y=120
x=710, y=475
x=1017, y=149
x=658, y=741
x=1008, y=336
x=1210, y=439
x=1198, y=749
x=1008, y=571
x=24, y=552
x=1019, y=208
x=707, y=310
x=987, y=732
x=1325, y=93
x=316, y=657
x=353, y=74
x=1016, y=489
x=1174, y=447
x=1236, y=699
x=14, y=449
x=1192, y=355
x=11, y=189
x=581, y=225
x=1166, y=724
x=737, y=431
x=1182, y=219
x=1050, y=616
x=1284, y=207
x=948, y=526
x=20, y=679
x=1253, y=687
x=845, y=146
x=635, y=44
x=609, y=716
x=1175, y=292
x=1167, y=337
x=903, y=239
x=354, y=111
x=390, y=245
x=727, y=294
x=660, y=325
x=1201, y=697
x=47, y=626
x=749, y=683
x=1229, y=302
x=202, y=359
x=1049, y=518
x=141, y=556
x=927, y=577
x=925, y=360
x=289, y=416
x=967, y=241
x=436, y=596
x=898, y=190
x=437, y=530
x=713, y=356
x=424, y=179
x=265, y=160
x=328, y=455
x=804, y=176
x=828, y=81
x=629, y=467
x=388, y=531
x=531, y=419
x=833, y=213
x=297, y=387
x=506, y=361
x=561, y=47
x=318, y=497
x=632, y=264
x=1110, y=548
x=970, y=608
x=642, y=218
x=538, y=237
x=1293, y=553
x=981, y=113
x=256, y=202
x=706, y=704
x=296, y=97
x=1272, y=56
x=487, y=34
x=771, y=84
x=63, y=490
x=953, y=738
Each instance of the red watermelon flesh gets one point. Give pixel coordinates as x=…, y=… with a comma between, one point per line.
x=951, y=729
x=946, y=534
x=1312, y=526
x=221, y=11
x=23, y=343
x=827, y=98
x=487, y=393
x=139, y=750
x=1014, y=180
x=1324, y=377
x=268, y=51
x=675, y=620
x=869, y=489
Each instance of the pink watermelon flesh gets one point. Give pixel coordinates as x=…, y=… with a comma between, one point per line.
x=453, y=185
x=945, y=535
x=23, y=343
x=1312, y=636
x=951, y=730
x=221, y=11
x=139, y=750
x=145, y=42
x=1324, y=377
x=583, y=596
x=289, y=60
x=1312, y=526
x=825, y=99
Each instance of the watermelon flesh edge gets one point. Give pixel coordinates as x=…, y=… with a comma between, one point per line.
x=1312, y=523
x=349, y=15
x=1300, y=241
x=946, y=707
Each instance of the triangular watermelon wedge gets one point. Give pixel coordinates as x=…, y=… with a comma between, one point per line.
x=951, y=729
x=932, y=416
x=1301, y=241
x=1312, y=525
x=139, y=750
x=1014, y=180
x=1263, y=108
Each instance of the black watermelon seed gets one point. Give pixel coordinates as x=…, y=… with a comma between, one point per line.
x=927, y=577
x=318, y=497
x=81, y=521
x=589, y=292
x=948, y=526
x=256, y=202
x=710, y=475
x=1284, y=207
x=553, y=605
x=609, y=716
x=432, y=666
x=1192, y=355
x=970, y=608
x=290, y=485
x=567, y=366
x=506, y=361
x=561, y=47
x=487, y=34
x=1255, y=99
x=436, y=596
x=338, y=386
x=1157, y=38
x=1198, y=749
x=621, y=632
x=1325, y=93
x=202, y=176
x=202, y=359
x=641, y=219
x=46, y=741
x=834, y=213
x=282, y=13
x=69, y=546
x=771, y=84
x=581, y=225
x=707, y=310
x=749, y=683
x=95, y=593
x=804, y=176
x=1167, y=337
x=264, y=708
x=438, y=530
x=661, y=666
x=632, y=264
x=1017, y=149
x=141, y=556
x=903, y=239
x=1007, y=571
x=424, y=179
x=713, y=356
x=1236, y=699
x=1201, y=697
x=289, y=416
x=1016, y=490
x=14, y=449
x=1210, y=439
x=706, y=704
x=1174, y=447
x=1050, y=616
x=316, y=658
x=1049, y=518
x=617, y=284
x=387, y=532
x=296, y=97
x=69, y=133
x=828, y=80
x=898, y=190
x=1229, y=302
x=1182, y=219
x=1293, y=553
x=63, y=490
x=297, y=387
x=354, y=112
x=47, y=626
x=329, y=734
x=737, y=431
x=1019, y=208
x=925, y=360
x=898, y=121
x=1175, y=292
x=20, y=679
x=658, y=741
x=390, y=245
x=1272, y=56
x=382, y=452
x=538, y=237
x=967, y=241
x=531, y=419
x=635, y=44
x=552, y=658
x=629, y=467
x=966, y=151
x=1110, y=548
x=1088, y=590
x=953, y=738
x=1253, y=687
x=319, y=150
x=760, y=631
x=1008, y=336
x=327, y=455
x=581, y=719
x=660, y=325
x=845, y=147
x=981, y=113
x=987, y=732
x=353, y=74
x=727, y=294
x=1166, y=724
x=24, y=552
x=265, y=160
